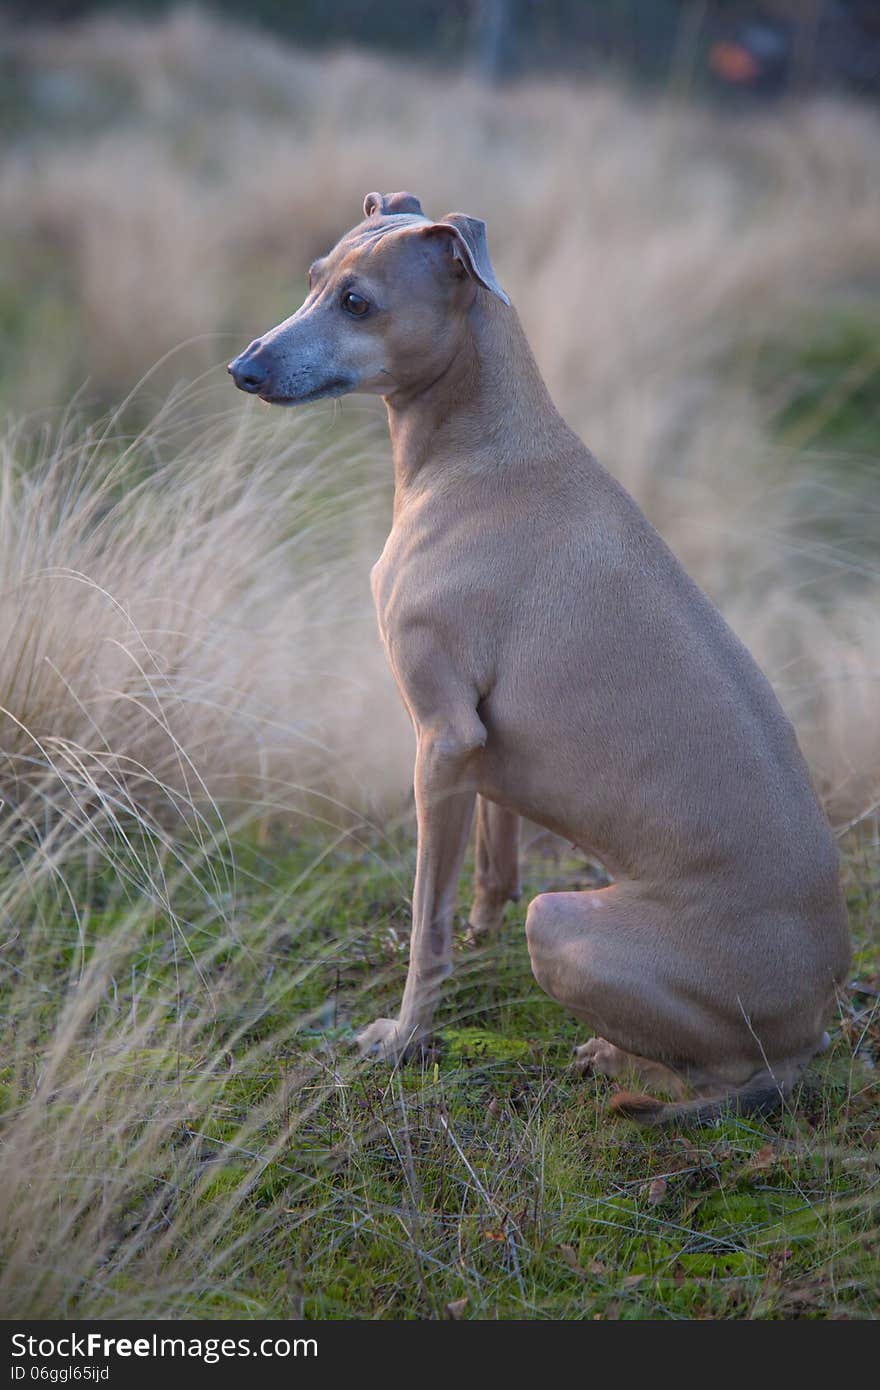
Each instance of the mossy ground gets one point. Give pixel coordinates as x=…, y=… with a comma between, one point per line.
x=484, y=1180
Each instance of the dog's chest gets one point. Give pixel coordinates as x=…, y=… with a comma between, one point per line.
x=398, y=581
x=427, y=576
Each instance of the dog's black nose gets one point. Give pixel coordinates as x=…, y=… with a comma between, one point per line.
x=248, y=373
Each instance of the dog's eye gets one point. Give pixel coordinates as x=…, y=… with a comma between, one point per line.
x=355, y=304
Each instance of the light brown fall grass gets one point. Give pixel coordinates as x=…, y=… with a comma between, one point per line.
x=651, y=249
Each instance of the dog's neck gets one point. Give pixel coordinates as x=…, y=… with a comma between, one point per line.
x=489, y=410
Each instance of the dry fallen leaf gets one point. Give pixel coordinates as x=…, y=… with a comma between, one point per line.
x=569, y=1254
x=595, y=1267
x=656, y=1191
x=779, y=1258
x=455, y=1309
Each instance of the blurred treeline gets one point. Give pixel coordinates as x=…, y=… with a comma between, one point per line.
x=736, y=48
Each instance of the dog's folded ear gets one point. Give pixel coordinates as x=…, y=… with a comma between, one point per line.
x=468, y=245
x=389, y=204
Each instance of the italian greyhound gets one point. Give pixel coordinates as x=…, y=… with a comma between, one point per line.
x=559, y=664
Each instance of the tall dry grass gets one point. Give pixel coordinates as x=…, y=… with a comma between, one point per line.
x=651, y=249
x=194, y=633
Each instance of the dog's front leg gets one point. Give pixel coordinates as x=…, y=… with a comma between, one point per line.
x=496, y=868
x=445, y=794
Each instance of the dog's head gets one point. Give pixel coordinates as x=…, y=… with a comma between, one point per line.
x=383, y=312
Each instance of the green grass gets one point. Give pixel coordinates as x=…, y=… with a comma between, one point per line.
x=834, y=398
x=485, y=1177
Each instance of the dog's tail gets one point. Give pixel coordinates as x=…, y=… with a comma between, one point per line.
x=760, y=1095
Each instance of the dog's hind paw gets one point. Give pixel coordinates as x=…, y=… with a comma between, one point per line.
x=600, y=1056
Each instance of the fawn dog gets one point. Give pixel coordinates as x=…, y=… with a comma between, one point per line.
x=558, y=664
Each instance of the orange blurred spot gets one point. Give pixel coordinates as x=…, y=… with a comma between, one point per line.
x=733, y=63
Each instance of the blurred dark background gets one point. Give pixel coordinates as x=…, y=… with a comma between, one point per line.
x=735, y=49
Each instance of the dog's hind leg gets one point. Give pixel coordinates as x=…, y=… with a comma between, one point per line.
x=609, y=957
x=496, y=868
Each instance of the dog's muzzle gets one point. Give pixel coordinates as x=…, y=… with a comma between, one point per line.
x=248, y=372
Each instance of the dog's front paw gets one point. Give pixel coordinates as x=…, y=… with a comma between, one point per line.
x=388, y=1039
x=486, y=917
x=482, y=928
